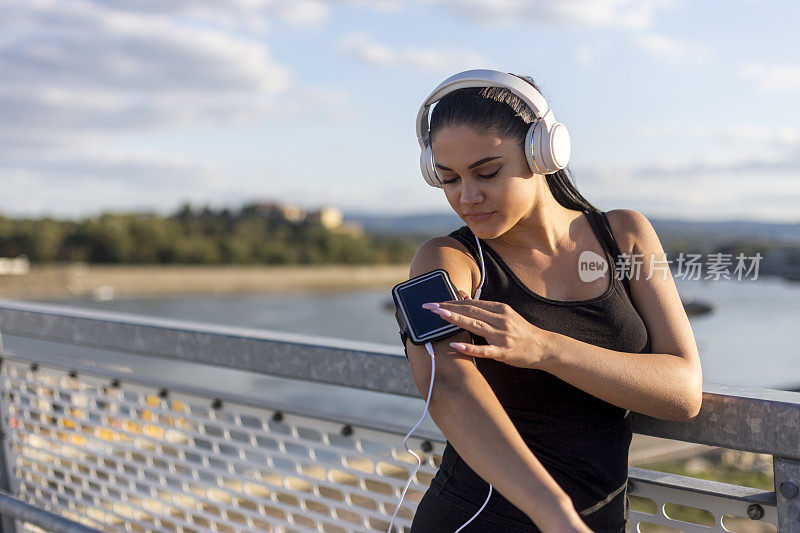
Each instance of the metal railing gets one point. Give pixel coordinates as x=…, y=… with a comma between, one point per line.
x=124, y=423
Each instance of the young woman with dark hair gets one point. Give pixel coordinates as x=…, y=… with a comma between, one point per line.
x=535, y=399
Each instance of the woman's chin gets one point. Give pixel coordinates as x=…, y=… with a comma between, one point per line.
x=482, y=230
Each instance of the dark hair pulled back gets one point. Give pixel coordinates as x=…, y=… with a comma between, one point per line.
x=500, y=111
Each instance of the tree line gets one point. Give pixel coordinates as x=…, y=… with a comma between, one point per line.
x=254, y=234
x=265, y=234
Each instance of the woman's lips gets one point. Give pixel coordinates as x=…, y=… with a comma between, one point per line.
x=478, y=217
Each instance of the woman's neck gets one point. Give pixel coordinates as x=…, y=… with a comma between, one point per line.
x=548, y=227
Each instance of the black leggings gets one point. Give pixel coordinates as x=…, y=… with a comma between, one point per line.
x=437, y=515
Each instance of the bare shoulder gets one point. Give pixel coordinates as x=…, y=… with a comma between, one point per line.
x=451, y=255
x=632, y=231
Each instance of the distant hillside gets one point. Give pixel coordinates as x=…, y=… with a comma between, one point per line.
x=734, y=229
x=256, y=233
x=423, y=224
x=778, y=244
x=438, y=224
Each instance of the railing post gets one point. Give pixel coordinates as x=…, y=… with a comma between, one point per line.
x=787, y=487
x=7, y=525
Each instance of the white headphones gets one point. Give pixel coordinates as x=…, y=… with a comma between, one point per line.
x=547, y=145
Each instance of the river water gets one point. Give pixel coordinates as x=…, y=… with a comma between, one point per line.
x=751, y=338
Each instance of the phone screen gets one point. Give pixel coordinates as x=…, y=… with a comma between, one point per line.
x=433, y=289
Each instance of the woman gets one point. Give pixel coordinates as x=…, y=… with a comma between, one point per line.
x=535, y=400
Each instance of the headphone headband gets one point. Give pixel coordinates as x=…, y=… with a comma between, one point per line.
x=481, y=78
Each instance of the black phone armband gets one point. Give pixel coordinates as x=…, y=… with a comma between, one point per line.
x=415, y=322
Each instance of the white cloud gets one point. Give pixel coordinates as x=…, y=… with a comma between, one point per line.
x=71, y=176
x=726, y=167
x=739, y=132
x=364, y=48
x=725, y=162
x=244, y=14
x=378, y=5
x=79, y=163
x=751, y=171
x=304, y=12
x=760, y=190
x=77, y=73
x=71, y=65
x=631, y=14
x=755, y=133
x=74, y=181
x=78, y=47
x=772, y=78
x=731, y=145
x=672, y=50
x=95, y=194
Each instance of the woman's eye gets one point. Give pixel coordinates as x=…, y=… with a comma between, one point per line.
x=482, y=176
x=487, y=176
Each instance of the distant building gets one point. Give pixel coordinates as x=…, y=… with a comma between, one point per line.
x=351, y=228
x=291, y=213
x=329, y=217
x=14, y=265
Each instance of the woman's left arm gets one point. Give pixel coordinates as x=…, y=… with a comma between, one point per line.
x=667, y=383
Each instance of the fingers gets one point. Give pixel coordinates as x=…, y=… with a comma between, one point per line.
x=494, y=307
x=486, y=350
x=493, y=313
x=466, y=316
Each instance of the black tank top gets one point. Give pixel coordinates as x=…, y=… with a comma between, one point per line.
x=581, y=440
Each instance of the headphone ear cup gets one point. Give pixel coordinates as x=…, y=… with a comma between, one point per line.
x=428, y=171
x=547, y=151
x=543, y=148
x=532, y=151
x=558, y=146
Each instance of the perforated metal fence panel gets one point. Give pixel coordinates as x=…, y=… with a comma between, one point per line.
x=118, y=456
x=123, y=457
x=658, y=508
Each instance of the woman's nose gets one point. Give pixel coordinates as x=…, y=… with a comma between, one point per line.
x=470, y=193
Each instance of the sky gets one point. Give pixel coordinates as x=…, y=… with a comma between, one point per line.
x=677, y=109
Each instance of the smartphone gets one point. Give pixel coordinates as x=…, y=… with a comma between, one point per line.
x=420, y=324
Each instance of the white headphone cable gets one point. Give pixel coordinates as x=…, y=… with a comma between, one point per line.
x=478, y=297
x=429, y=347
x=483, y=270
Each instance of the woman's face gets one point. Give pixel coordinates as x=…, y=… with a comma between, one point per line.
x=484, y=174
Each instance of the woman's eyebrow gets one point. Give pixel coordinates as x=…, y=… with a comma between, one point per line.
x=473, y=165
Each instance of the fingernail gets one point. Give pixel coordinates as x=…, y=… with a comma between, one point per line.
x=458, y=345
x=443, y=312
x=430, y=306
